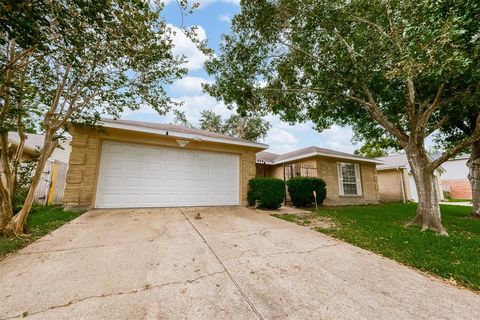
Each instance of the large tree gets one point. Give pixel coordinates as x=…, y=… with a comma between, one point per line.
x=391, y=65
x=92, y=58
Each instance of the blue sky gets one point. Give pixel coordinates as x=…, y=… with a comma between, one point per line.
x=213, y=19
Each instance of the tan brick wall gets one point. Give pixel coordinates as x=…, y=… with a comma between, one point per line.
x=81, y=176
x=327, y=170
x=390, y=185
x=85, y=156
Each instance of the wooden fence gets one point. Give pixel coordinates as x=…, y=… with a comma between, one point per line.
x=52, y=184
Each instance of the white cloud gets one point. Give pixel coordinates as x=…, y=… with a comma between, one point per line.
x=224, y=18
x=280, y=141
x=192, y=106
x=338, y=138
x=184, y=46
x=189, y=85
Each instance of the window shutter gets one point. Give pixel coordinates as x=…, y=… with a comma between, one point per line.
x=359, y=179
x=340, y=179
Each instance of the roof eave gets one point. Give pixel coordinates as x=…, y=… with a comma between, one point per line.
x=169, y=133
x=322, y=154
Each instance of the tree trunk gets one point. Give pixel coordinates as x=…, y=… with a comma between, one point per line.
x=474, y=177
x=21, y=217
x=428, y=209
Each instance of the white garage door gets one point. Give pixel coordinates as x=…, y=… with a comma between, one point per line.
x=134, y=175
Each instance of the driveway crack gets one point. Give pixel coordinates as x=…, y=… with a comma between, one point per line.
x=105, y=295
x=244, y=295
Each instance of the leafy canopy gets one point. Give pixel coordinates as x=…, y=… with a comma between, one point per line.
x=381, y=66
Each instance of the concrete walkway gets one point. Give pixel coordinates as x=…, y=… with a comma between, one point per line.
x=232, y=263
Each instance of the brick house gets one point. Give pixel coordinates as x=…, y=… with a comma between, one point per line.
x=350, y=179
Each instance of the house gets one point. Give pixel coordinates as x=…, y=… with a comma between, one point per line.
x=52, y=183
x=350, y=179
x=396, y=182
x=455, y=179
x=129, y=164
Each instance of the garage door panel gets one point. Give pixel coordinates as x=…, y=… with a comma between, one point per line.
x=144, y=176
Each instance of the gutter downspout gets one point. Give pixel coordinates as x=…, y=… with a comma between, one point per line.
x=402, y=183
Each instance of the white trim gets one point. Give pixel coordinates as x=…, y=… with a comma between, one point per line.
x=358, y=179
x=340, y=179
x=323, y=154
x=175, y=134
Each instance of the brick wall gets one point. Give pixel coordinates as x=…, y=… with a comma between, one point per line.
x=327, y=170
x=459, y=188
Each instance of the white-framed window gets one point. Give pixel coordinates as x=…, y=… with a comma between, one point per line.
x=349, y=179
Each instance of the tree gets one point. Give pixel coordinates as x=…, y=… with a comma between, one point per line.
x=461, y=124
x=381, y=65
x=92, y=59
x=250, y=127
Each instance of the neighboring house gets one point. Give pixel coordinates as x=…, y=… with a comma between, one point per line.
x=396, y=182
x=129, y=164
x=350, y=179
x=455, y=179
x=52, y=183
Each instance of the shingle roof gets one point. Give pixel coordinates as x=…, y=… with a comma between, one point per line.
x=34, y=142
x=394, y=161
x=266, y=157
x=309, y=152
x=174, y=128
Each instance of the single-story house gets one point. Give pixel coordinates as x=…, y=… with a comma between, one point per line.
x=350, y=179
x=396, y=182
x=129, y=164
x=52, y=183
x=455, y=179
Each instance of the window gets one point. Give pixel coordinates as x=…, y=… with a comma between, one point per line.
x=349, y=182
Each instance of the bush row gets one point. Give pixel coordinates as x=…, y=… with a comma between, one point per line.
x=269, y=193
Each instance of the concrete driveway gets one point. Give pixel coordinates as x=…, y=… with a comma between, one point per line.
x=233, y=263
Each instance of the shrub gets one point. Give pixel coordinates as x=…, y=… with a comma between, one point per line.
x=301, y=191
x=267, y=193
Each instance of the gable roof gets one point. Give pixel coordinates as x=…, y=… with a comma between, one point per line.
x=398, y=161
x=272, y=158
x=177, y=131
x=34, y=142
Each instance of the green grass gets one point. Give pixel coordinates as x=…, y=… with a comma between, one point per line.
x=41, y=221
x=381, y=229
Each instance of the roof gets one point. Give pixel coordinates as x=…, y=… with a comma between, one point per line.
x=178, y=131
x=397, y=161
x=272, y=158
x=34, y=142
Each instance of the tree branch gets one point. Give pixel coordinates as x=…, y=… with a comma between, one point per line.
x=459, y=147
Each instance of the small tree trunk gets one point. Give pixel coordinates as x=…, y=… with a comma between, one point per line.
x=473, y=165
x=21, y=217
x=428, y=209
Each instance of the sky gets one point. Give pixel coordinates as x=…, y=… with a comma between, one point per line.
x=213, y=19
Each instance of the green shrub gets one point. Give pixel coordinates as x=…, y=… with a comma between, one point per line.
x=267, y=193
x=301, y=191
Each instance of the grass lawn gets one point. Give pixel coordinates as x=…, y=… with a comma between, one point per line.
x=41, y=221
x=381, y=229
x=459, y=200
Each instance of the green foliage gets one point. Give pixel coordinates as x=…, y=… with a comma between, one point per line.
x=378, y=146
x=301, y=190
x=375, y=65
x=24, y=179
x=267, y=193
x=381, y=229
x=41, y=221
